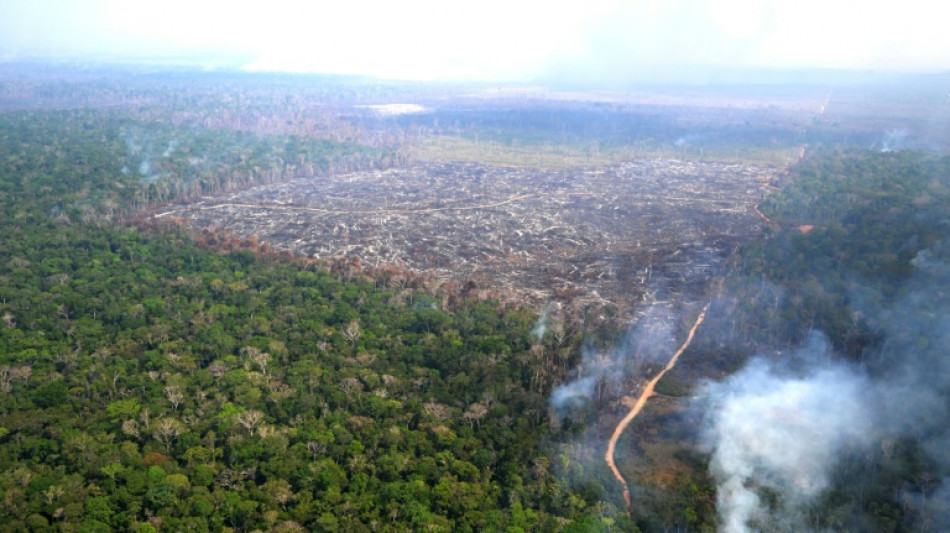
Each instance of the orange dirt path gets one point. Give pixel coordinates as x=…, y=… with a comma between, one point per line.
x=641, y=401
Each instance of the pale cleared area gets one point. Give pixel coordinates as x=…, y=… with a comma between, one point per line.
x=387, y=110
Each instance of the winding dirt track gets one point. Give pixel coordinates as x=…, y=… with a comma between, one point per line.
x=641, y=401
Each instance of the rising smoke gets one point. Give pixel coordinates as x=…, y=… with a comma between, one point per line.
x=143, y=148
x=172, y=144
x=893, y=140
x=607, y=373
x=782, y=429
x=780, y=433
x=541, y=326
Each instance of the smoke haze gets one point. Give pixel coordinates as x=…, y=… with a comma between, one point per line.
x=779, y=432
x=780, y=429
x=607, y=372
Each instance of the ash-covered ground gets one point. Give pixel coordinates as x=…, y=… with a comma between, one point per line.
x=621, y=235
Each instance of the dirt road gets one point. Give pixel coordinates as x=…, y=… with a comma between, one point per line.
x=637, y=406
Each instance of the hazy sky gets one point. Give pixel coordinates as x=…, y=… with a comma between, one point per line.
x=487, y=39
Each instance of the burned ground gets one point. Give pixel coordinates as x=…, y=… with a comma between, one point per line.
x=597, y=238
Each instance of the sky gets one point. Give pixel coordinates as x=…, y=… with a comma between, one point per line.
x=486, y=40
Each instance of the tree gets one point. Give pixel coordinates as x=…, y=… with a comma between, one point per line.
x=316, y=448
x=352, y=333
x=249, y=420
x=440, y=412
x=166, y=430
x=474, y=414
x=174, y=395
x=258, y=356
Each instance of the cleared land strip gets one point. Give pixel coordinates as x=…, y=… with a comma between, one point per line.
x=430, y=210
x=584, y=238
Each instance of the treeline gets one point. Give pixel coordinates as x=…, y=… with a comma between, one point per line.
x=691, y=132
x=104, y=163
x=175, y=164
x=309, y=106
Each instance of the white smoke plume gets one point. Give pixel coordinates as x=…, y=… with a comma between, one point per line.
x=575, y=391
x=541, y=326
x=688, y=139
x=607, y=373
x=783, y=430
x=893, y=140
x=142, y=148
x=778, y=433
x=172, y=144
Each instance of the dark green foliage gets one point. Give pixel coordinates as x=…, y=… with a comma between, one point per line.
x=872, y=214
x=50, y=395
